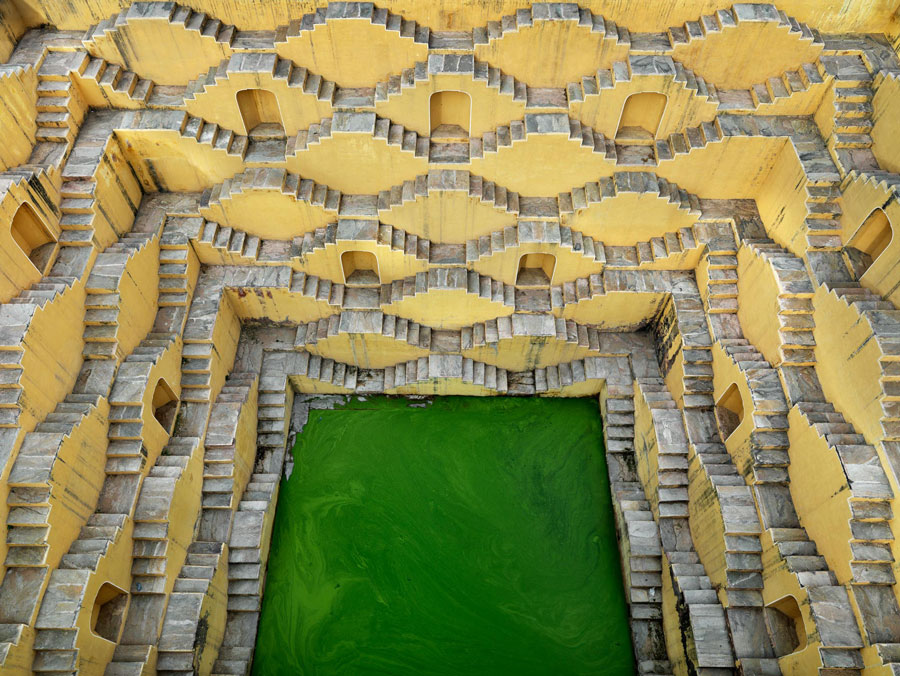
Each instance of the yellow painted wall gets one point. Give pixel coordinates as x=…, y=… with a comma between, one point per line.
x=861, y=197
x=886, y=132
x=145, y=46
x=296, y=110
x=820, y=493
x=18, y=97
x=488, y=107
x=756, y=51
x=831, y=15
x=758, y=304
x=782, y=202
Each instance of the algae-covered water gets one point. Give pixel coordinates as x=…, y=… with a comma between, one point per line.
x=468, y=536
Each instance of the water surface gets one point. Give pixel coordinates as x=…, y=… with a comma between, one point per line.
x=469, y=536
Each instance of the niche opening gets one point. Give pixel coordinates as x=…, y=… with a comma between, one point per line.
x=33, y=238
x=360, y=268
x=109, y=611
x=869, y=241
x=641, y=116
x=729, y=411
x=165, y=405
x=259, y=111
x=450, y=113
x=786, y=626
x=535, y=269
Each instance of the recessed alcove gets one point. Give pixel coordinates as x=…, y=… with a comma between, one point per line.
x=640, y=119
x=450, y=116
x=786, y=626
x=108, y=612
x=360, y=268
x=729, y=411
x=165, y=405
x=33, y=238
x=869, y=241
x=259, y=111
x=536, y=270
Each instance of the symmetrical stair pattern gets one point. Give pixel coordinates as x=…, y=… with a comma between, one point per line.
x=180, y=288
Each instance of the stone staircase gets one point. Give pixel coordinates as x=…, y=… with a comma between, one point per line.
x=447, y=279
x=343, y=122
x=174, y=281
x=715, y=471
x=335, y=11
x=643, y=566
x=642, y=183
x=688, y=140
x=150, y=559
x=692, y=587
x=327, y=371
x=31, y=516
x=870, y=503
x=487, y=192
x=624, y=71
x=203, y=25
x=850, y=142
x=517, y=131
x=853, y=116
x=299, y=79
x=183, y=622
x=318, y=289
x=31, y=480
x=786, y=85
x=77, y=207
x=556, y=377
x=663, y=249
x=246, y=575
x=183, y=639
x=211, y=134
x=60, y=110
x=235, y=247
x=725, y=19
x=361, y=322
x=543, y=12
x=438, y=63
x=103, y=304
x=282, y=181
x=119, y=87
x=535, y=232
x=55, y=648
x=822, y=222
x=15, y=317
x=221, y=493
x=883, y=317
x=794, y=302
x=425, y=369
x=869, y=531
x=364, y=230
x=542, y=327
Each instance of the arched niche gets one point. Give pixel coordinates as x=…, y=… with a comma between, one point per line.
x=33, y=238
x=360, y=268
x=450, y=115
x=108, y=612
x=535, y=269
x=786, y=626
x=729, y=411
x=165, y=405
x=869, y=241
x=641, y=116
x=260, y=113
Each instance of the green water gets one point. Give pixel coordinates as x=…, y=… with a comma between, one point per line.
x=471, y=536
